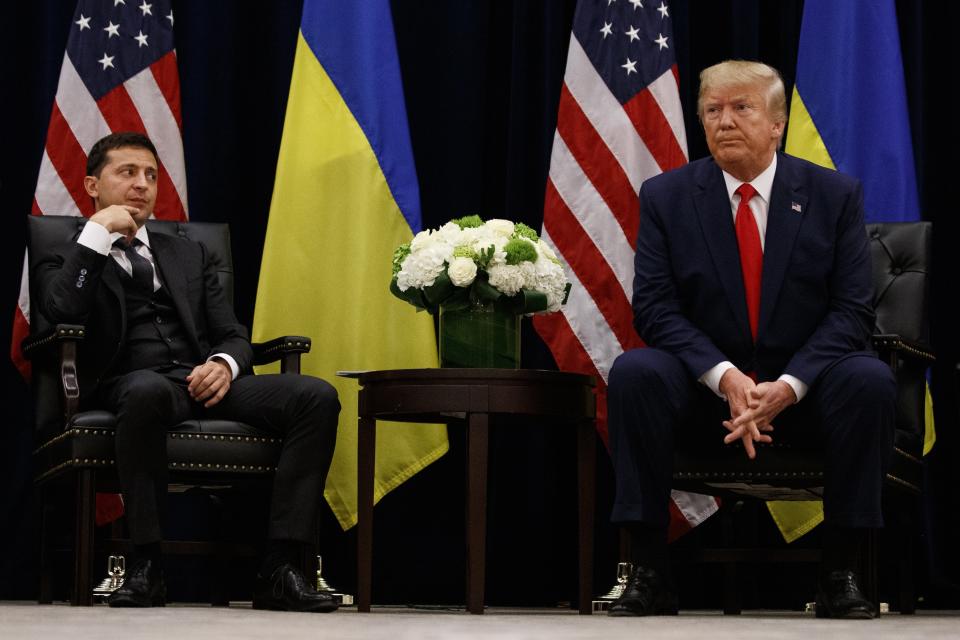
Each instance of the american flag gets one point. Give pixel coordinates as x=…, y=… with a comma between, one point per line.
x=620, y=122
x=119, y=73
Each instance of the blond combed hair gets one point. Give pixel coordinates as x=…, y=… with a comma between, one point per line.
x=733, y=73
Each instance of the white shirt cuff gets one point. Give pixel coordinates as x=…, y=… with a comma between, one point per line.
x=96, y=237
x=712, y=377
x=234, y=367
x=799, y=387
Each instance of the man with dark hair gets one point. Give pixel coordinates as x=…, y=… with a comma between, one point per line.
x=752, y=290
x=163, y=345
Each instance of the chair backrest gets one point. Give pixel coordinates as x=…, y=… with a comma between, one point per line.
x=46, y=233
x=901, y=254
x=52, y=233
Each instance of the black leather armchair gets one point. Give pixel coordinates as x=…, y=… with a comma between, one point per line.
x=75, y=449
x=782, y=471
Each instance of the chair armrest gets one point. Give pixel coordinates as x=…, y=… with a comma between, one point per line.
x=44, y=343
x=286, y=349
x=887, y=345
x=64, y=337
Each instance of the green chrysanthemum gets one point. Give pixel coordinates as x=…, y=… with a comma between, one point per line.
x=521, y=230
x=399, y=255
x=468, y=222
x=464, y=251
x=520, y=251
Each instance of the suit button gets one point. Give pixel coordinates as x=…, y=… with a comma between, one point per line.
x=176, y=362
x=79, y=284
x=159, y=320
x=169, y=339
x=83, y=272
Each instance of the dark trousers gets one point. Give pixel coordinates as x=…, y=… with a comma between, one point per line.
x=654, y=403
x=302, y=410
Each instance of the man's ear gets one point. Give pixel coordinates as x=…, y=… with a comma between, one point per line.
x=91, y=184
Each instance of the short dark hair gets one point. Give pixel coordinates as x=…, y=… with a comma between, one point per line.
x=98, y=154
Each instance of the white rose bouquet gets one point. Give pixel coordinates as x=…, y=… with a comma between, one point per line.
x=467, y=261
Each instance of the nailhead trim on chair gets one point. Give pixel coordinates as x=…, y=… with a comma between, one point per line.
x=287, y=345
x=72, y=432
x=224, y=467
x=60, y=333
x=902, y=346
x=907, y=455
x=695, y=475
x=904, y=483
x=206, y=436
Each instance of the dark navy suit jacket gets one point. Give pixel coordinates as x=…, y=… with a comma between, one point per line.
x=816, y=293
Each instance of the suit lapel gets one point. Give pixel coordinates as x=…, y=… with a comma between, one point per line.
x=788, y=202
x=716, y=221
x=175, y=280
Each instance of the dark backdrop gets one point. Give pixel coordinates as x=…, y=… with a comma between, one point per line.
x=482, y=82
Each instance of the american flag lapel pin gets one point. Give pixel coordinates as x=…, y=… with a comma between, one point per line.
x=796, y=207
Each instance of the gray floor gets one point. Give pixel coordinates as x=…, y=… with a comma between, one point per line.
x=24, y=621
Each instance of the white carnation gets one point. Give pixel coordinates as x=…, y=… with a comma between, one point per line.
x=450, y=233
x=552, y=281
x=544, y=249
x=462, y=271
x=508, y=279
x=503, y=228
x=421, y=268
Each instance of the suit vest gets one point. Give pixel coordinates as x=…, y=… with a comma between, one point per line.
x=155, y=338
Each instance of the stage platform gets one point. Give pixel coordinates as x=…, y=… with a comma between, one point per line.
x=27, y=621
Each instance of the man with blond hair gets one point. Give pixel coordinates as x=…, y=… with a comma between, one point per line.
x=752, y=290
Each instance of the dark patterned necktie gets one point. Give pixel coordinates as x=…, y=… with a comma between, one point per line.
x=142, y=269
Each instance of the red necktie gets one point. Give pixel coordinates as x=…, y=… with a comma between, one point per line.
x=751, y=254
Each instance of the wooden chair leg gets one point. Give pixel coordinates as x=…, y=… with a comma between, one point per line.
x=586, y=468
x=46, y=578
x=731, y=576
x=83, y=538
x=366, y=452
x=869, y=568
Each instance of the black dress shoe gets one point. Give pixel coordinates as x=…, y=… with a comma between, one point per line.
x=142, y=586
x=839, y=596
x=646, y=594
x=286, y=590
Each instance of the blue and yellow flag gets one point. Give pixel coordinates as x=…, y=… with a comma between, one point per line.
x=849, y=112
x=344, y=198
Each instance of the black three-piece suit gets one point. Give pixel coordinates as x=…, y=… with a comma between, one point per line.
x=138, y=349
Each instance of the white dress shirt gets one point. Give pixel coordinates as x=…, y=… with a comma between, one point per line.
x=96, y=237
x=759, y=206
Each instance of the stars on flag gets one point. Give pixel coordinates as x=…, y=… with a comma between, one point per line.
x=146, y=8
x=112, y=30
x=106, y=61
x=170, y=17
x=638, y=30
x=84, y=22
x=142, y=39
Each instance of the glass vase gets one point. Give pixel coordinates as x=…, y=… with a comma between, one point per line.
x=479, y=335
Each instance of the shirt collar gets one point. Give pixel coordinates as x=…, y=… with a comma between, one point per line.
x=142, y=236
x=763, y=183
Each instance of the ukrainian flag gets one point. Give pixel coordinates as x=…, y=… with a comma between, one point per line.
x=345, y=196
x=849, y=112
